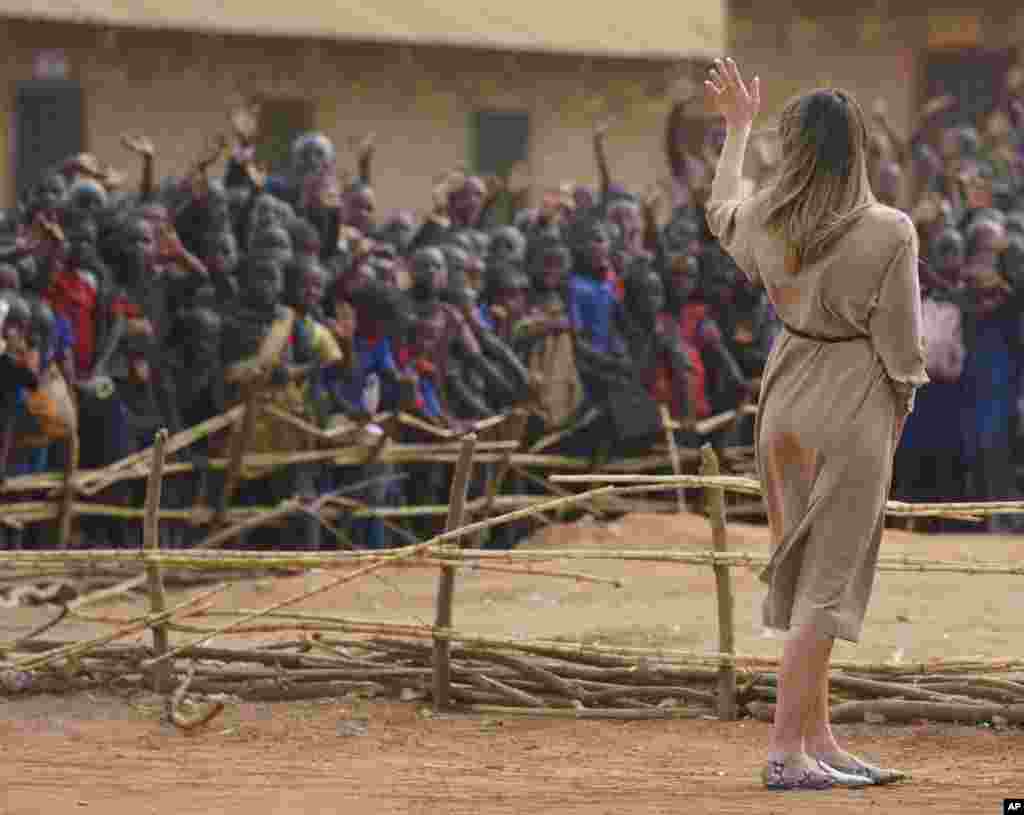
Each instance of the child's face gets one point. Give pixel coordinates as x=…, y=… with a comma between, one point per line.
x=426, y=335
x=31, y=359
x=345, y=323
x=9, y=279
x=989, y=300
x=313, y=288
x=138, y=369
x=555, y=267
x=265, y=284
x=513, y=301
x=15, y=333
x=685, y=271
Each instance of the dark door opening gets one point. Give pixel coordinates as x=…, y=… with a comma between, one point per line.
x=501, y=139
x=49, y=127
x=282, y=120
x=975, y=77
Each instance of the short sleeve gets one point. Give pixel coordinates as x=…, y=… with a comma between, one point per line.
x=897, y=326
x=325, y=346
x=733, y=223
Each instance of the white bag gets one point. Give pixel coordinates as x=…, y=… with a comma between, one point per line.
x=944, y=343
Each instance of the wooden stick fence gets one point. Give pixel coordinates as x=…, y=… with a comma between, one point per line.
x=446, y=581
x=154, y=572
x=585, y=680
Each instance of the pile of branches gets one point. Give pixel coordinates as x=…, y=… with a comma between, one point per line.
x=532, y=681
x=319, y=667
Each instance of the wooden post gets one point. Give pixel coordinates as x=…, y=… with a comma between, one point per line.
x=673, y=452
x=517, y=427
x=154, y=574
x=240, y=438
x=65, y=522
x=446, y=582
x=715, y=496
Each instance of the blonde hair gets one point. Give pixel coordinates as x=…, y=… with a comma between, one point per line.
x=822, y=186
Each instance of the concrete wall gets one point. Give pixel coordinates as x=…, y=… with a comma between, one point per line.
x=177, y=89
x=874, y=49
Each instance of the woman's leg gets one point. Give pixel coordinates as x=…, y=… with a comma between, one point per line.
x=820, y=742
x=819, y=739
x=804, y=663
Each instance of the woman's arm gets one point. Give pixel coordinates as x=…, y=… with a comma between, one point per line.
x=738, y=106
x=728, y=183
x=896, y=322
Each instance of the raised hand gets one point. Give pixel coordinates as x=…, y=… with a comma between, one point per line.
x=368, y=145
x=938, y=104
x=245, y=123
x=215, y=148
x=737, y=104
x=519, y=177
x=257, y=172
x=601, y=130
x=139, y=145
x=653, y=197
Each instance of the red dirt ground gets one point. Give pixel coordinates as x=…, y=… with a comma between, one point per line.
x=98, y=755
x=106, y=754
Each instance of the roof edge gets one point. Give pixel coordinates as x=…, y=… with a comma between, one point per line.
x=469, y=43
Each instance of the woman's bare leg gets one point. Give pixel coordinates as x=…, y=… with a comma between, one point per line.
x=819, y=741
x=804, y=663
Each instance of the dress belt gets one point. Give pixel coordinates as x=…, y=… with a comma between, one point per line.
x=817, y=338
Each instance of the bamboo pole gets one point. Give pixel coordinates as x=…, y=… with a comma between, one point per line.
x=579, y=577
x=715, y=497
x=81, y=648
x=619, y=714
x=901, y=711
x=556, y=436
x=511, y=694
x=495, y=483
x=183, y=722
x=228, y=533
x=240, y=439
x=94, y=481
x=673, y=453
x=154, y=572
x=204, y=560
x=446, y=581
x=106, y=594
x=345, y=578
x=66, y=517
x=874, y=688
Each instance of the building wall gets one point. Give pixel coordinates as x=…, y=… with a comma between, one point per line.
x=177, y=89
x=874, y=49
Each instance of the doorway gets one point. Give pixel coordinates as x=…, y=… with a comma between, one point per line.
x=49, y=127
x=975, y=77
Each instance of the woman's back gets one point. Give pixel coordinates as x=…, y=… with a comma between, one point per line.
x=833, y=295
x=864, y=285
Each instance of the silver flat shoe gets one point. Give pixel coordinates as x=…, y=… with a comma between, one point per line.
x=879, y=776
x=845, y=779
x=774, y=777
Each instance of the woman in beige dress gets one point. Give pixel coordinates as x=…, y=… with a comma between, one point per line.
x=841, y=272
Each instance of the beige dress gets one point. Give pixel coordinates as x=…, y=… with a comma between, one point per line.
x=828, y=410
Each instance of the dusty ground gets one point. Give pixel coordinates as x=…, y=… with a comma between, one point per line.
x=102, y=753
